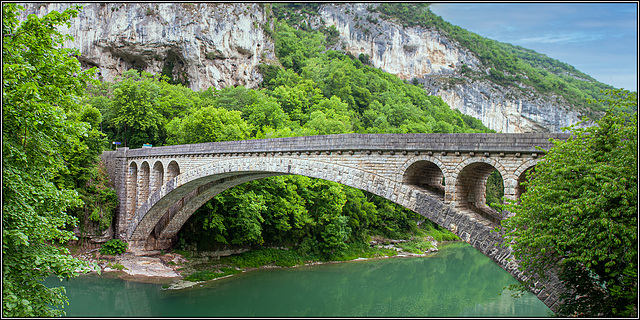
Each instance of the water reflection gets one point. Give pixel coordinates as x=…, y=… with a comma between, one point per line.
x=457, y=281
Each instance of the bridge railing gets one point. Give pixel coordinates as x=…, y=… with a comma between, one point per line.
x=447, y=142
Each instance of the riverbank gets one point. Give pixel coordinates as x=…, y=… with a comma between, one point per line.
x=170, y=269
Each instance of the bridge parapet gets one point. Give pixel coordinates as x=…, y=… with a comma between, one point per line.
x=436, y=142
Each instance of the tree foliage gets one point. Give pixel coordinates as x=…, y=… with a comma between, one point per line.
x=42, y=87
x=208, y=124
x=579, y=216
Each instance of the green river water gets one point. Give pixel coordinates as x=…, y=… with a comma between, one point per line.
x=458, y=281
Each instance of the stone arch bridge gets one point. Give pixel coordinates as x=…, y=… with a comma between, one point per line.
x=440, y=176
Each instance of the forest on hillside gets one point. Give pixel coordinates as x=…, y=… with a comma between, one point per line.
x=313, y=92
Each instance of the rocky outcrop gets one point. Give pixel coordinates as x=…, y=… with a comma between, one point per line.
x=207, y=44
x=491, y=104
x=221, y=44
x=434, y=60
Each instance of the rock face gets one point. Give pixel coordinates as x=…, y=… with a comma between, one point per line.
x=433, y=60
x=208, y=44
x=221, y=44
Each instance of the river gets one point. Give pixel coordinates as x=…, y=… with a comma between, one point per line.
x=457, y=281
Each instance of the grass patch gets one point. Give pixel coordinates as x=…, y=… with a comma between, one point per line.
x=263, y=257
x=185, y=254
x=361, y=250
x=116, y=266
x=418, y=246
x=438, y=233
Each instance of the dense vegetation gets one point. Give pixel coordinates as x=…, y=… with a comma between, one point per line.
x=54, y=127
x=579, y=215
x=314, y=92
x=48, y=141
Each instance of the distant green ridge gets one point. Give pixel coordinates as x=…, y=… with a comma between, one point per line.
x=510, y=66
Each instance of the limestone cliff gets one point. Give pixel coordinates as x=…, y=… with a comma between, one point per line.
x=221, y=44
x=208, y=44
x=434, y=60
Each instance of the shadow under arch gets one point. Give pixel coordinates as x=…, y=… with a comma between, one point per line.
x=425, y=172
x=471, y=186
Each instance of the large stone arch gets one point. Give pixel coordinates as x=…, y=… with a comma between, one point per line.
x=176, y=200
x=190, y=185
x=159, y=214
x=470, y=185
x=174, y=218
x=180, y=197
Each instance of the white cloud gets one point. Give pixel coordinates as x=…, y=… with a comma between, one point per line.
x=562, y=38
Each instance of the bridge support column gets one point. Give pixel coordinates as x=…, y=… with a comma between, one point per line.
x=510, y=193
x=120, y=183
x=449, y=190
x=144, y=246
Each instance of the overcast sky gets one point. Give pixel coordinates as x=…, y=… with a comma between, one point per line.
x=599, y=39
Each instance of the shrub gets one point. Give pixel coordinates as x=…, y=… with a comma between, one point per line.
x=116, y=266
x=216, y=54
x=113, y=247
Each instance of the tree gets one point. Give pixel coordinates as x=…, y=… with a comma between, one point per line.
x=208, y=124
x=42, y=83
x=578, y=215
x=265, y=112
x=136, y=110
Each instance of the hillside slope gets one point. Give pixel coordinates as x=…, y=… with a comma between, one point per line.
x=222, y=44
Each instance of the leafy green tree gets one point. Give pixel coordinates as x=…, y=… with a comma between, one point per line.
x=286, y=217
x=135, y=108
x=362, y=213
x=235, y=98
x=244, y=214
x=329, y=122
x=208, y=124
x=294, y=47
x=42, y=84
x=266, y=112
x=297, y=100
x=84, y=172
x=579, y=215
x=176, y=100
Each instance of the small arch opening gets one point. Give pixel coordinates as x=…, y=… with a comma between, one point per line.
x=173, y=170
x=143, y=183
x=132, y=188
x=478, y=187
x=157, y=177
x=520, y=189
x=426, y=175
x=494, y=190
